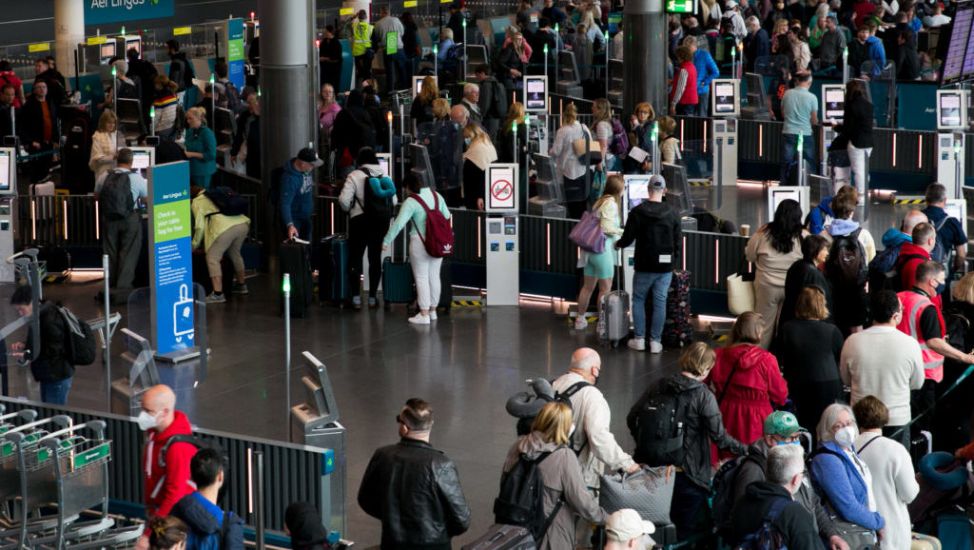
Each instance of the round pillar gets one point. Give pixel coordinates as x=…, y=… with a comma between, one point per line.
x=69, y=31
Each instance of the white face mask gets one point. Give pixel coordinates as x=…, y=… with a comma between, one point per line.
x=146, y=421
x=846, y=436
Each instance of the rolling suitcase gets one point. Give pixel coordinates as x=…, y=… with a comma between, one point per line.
x=503, y=537
x=333, y=284
x=397, y=279
x=677, y=330
x=294, y=259
x=446, y=286
x=614, y=316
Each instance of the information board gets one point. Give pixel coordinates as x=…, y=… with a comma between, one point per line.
x=235, y=52
x=501, y=188
x=833, y=102
x=7, y=167
x=951, y=110
x=171, y=258
x=956, y=44
x=726, y=97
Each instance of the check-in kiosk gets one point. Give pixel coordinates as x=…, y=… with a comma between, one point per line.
x=637, y=191
x=536, y=107
x=725, y=106
x=503, y=249
x=417, y=85
x=780, y=193
x=951, y=124
x=385, y=163
x=142, y=159
x=833, y=110
x=8, y=211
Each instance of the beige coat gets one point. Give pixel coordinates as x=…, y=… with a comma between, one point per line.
x=104, y=147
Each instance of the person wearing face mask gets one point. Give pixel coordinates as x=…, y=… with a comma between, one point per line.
x=843, y=479
x=701, y=422
x=596, y=446
x=565, y=492
x=781, y=428
x=773, y=501
x=167, y=479
x=200, y=510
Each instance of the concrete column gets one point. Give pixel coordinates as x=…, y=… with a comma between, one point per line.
x=287, y=121
x=645, y=39
x=69, y=31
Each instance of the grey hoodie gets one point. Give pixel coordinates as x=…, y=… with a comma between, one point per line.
x=562, y=477
x=752, y=470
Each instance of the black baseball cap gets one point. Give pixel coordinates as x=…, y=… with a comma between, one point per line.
x=308, y=155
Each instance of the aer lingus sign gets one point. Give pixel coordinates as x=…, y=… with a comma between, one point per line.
x=99, y=12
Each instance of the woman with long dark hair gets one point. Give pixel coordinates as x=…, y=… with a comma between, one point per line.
x=773, y=249
x=857, y=126
x=806, y=272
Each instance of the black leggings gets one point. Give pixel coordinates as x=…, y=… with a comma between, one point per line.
x=365, y=233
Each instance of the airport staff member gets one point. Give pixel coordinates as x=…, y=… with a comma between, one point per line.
x=167, y=480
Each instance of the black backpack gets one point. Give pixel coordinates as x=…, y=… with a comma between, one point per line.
x=115, y=197
x=228, y=201
x=81, y=345
x=378, y=190
x=524, y=424
x=722, y=494
x=768, y=537
x=660, y=429
x=521, y=499
x=847, y=261
x=498, y=106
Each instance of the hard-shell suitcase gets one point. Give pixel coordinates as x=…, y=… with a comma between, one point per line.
x=333, y=284
x=295, y=260
x=954, y=530
x=397, y=276
x=446, y=285
x=503, y=537
x=614, y=315
x=677, y=330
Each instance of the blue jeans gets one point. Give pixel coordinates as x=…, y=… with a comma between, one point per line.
x=790, y=143
x=642, y=283
x=55, y=393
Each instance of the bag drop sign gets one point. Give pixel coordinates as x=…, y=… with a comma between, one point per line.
x=114, y=11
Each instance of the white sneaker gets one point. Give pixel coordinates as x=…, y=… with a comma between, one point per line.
x=433, y=314
x=581, y=323
x=655, y=347
x=420, y=319
x=357, y=301
x=638, y=344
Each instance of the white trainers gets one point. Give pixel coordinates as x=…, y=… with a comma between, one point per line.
x=432, y=314
x=357, y=301
x=655, y=347
x=420, y=319
x=581, y=323
x=638, y=344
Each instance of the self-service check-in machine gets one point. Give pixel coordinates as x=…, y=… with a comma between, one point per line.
x=637, y=191
x=536, y=107
x=503, y=249
x=143, y=158
x=8, y=211
x=725, y=106
x=833, y=111
x=799, y=194
x=951, y=124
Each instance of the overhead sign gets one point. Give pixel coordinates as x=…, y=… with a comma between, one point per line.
x=346, y=11
x=96, y=40
x=182, y=31
x=41, y=47
x=99, y=12
x=681, y=6
x=171, y=258
x=410, y=4
x=501, y=192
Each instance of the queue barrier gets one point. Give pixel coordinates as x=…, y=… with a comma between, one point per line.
x=291, y=472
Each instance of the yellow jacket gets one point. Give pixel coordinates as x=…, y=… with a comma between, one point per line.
x=209, y=223
x=361, y=37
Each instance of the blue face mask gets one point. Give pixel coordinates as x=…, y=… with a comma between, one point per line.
x=782, y=443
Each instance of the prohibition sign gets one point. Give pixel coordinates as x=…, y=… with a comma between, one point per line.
x=501, y=190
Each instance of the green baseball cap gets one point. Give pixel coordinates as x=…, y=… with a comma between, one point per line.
x=781, y=423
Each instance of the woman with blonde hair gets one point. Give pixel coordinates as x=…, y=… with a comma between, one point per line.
x=200, y=146
x=480, y=154
x=512, y=61
x=565, y=493
x=105, y=144
x=600, y=268
x=574, y=174
x=505, y=134
x=602, y=127
x=422, y=108
x=669, y=144
x=167, y=533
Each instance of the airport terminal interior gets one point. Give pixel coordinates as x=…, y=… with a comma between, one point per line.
x=193, y=181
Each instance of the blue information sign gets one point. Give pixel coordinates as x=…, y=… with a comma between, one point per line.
x=99, y=12
x=171, y=258
x=235, y=52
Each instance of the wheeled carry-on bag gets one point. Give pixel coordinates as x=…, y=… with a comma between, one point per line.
x=294, y=260
x=677, y=330
x=397, y=278
x=614, y=314
x=503, y=537
x=333, y=284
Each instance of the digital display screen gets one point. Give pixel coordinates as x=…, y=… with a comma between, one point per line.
x=108, y=50
x=955, y=210
x=535, y=94
x=384, y=164
x=950, y=111
x=417, y=85
x=141, y=160
x=134, y=45
x=4, y=170
x=968, y=71
x=637, y=190
x=957, y=46
x=834, y=103
x=725, y=100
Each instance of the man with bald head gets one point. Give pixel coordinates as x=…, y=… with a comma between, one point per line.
x=592, y=440
x=167, y=480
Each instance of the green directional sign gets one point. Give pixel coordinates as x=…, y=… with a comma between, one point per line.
x=681, y=6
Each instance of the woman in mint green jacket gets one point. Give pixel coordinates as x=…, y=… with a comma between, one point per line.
x=426, y=269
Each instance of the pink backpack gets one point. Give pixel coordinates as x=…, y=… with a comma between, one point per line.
x=439, y=234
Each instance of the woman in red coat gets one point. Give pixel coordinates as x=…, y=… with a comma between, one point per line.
x=746, y=381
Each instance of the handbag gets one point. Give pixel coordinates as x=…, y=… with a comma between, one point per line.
x=649, y=492
x=587, y=233
x=856, y=536
x=588, y=150
x=740, y=294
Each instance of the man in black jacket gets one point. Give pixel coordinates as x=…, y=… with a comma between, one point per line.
x=38, y=130
x=49, y=365
x=773, y=501
x=413, y=488
x=655, y=227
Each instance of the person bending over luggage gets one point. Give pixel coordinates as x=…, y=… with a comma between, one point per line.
x=426, y=268
x=219, y=234
x=842, y=477
x=782, y=428
x=600, y=268
x=302, y=522
x=297, y=193
x=771, y=505
x=49, y=365
x=413, y=488
x=565, y=493
x=200, y=510
x=695, y=422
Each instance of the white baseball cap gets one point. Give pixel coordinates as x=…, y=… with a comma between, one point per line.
x=625, y=525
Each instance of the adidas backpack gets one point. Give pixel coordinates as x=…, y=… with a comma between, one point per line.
x=439, y=233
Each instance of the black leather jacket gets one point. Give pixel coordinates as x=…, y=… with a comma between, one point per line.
x=415, y=491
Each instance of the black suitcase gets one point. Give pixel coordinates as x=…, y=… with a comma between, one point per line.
x=446, y=286
x=677, y=328
x=295, y=259
x=56, y=258
x=333, y=284
x=503, y=537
